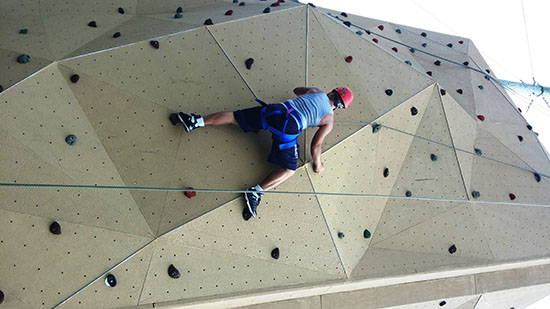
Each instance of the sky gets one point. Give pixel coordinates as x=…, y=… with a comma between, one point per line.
x=512, y=36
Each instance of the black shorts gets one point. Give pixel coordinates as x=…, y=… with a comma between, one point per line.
x=250, y=120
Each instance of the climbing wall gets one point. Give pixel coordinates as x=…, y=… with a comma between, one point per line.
x=431, y=170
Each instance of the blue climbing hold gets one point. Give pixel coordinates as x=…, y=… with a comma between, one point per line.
x=376, y=127
x=433, y=157
x=408, y=194
x=476, y=194
x=367, y=234
x=478, y=151
x=24, y=58
x=70, y=139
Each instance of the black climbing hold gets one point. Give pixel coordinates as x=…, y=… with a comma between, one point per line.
x=24, y=31
x=443, y=303
x=519, y=110
x=480, y=87
x=75, y=78
x=433, y=157
x=249, y=62
x=412, y=50
x=155, y=44
x=424, y=44
x=376, y=127
x=344, y=14
x=208, y=22
x=429, y=73
x=452, y=249
x=92, y=24
x=267, y=10
x=450, y=45
x=398, y=31
x=414, y=111
x=386, y=172
x=443, y=91
x=408, y=62
x=229, y=13
x=437, y=62
x=359, y=32
x=466, y=63
x=368, y=32
x=178, y=15
x=389, y=92
x=347, y=23
x=537, y=177
x=512, y=196
x=23, y=58
x=520, y=138
x=173, y=272
x=340, y=235
x=476, y=194
x=121, y=10
x=70, y=139
x=478, y=151
x=460, y=91
x=235, y=1
x=179, y=10
x=246, y=214
x=529, y=127
x=242, y=4
x=1, y=297
x=487, y=77
x=116, y=35
x=488, y=71
x=423, y=34
x=55, y=228
x=312, y=5
x=1, y=88
x=110, y=280
x=275, y=253
x=408, y=194
x=367, y=234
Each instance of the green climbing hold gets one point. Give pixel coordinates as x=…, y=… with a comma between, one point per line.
x=340, y=235
x=476, y=194
x=70, y=139
x=178, y=16
x=23, y=58
x=267, y=10
x=408, y=194
x=376, y=127
x=480, y=87
x=478, y=151
x=359, y=32
x=116, y=35
x=24, y=31
x=398, y=31
x=367, y=234
x=433, y=157
x=408, y=62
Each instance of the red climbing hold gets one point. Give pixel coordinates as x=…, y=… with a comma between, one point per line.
x=460, y=42
x=394, y=49
x=375, y=40
x=275, y=4
x=512, y=196
x=381, y=27
x=229, y=13
x=349, y=59
x=481, y=117
x=190, y=194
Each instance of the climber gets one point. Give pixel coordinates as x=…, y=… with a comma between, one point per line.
x=311, y=108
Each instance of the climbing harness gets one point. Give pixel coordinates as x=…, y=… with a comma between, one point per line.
x=284, y=139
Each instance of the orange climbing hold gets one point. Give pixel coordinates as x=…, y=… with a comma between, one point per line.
x=190, y=194
x=481, y=117
x=349, y=59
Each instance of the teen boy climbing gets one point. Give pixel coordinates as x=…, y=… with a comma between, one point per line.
x=311, y=108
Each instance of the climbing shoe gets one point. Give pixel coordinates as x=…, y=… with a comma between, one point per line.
x=253, y=200
x=190, y=123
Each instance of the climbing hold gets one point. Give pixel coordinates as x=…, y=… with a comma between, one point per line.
x=437, y=62
x=92, y=24
x=381, y=27
x=155, y=44
x=394, y=49
x=376, y=127
x=389, y=92
x=537, y=177
x=480, y=87
x=1, y=297
x=349, y=59
x=23, y=58
x=249, y=62
x=408, y=194
x=452, y=249
x=359, y=32
x=121, y=10
x=367, y=234
x=423, y=34
x=173, y=272
x=443, y=91
x=275, y=4
x=478, y=151
x=424, y=45
x=414, y=111
x=55, y=228
x=529, y=127
x=386, y=172
x=450, y=45
x=110, y=280
x=488, y=71
x=520, y=138
x=459, y=91
x=179, y=10
x=347, y=23
x=340, y=235
x=75, y=78
x=229, y=13
x=375, y=40
x=178, y=16
x=208, y=22
x=275, y=253
x=24, y=31
x=466, y=63
x=116, y=35
x=235, y=1
x=481, y=117
x=344, y=14
x=460, y=42
x=512, y=196
x=443, y=303
x=1, y=88
x=519, y=110
x=190, y=194
x=433, y=157
x=487, y=77
x=412, y=50
x=368, y=32
x=70, y=139
x=312, y=5
x=429, y=73
x=398, y=31
x=267, y=10
x=408, y=62
x=476, y=194
x=242, y=4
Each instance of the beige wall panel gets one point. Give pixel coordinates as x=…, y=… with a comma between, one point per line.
x=441, y=38
x=456, y=226
x=207, y=273
x=471, y=304
x=516, y=298
x=67, y=261
x=300, y=303
x=189, y=72
x=277, y=43
x=373, y=68
x=339, y=133
x=67, y=33
x=450, y=303
x=515, y=232
x=83, y=7
x=292, y=223
x=437, y=43
x=23, y=7
x=361, y=21
x=158, y=6
x=35, y=42
x=494, y=149
x=130, y=277
x=13, y=72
